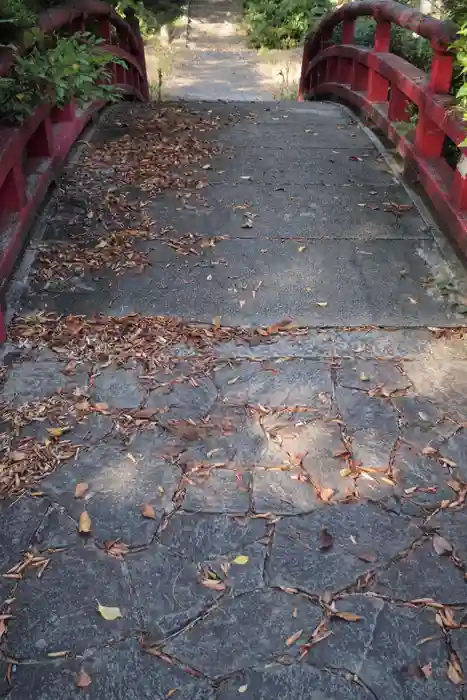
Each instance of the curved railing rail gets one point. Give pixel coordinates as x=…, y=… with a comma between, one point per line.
x=31, y=155
x=388, y=91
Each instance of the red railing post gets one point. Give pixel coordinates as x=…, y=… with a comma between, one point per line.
x=441, y=73
x=378, y=86
x=348, y=31
x=132, y=20
x=382, y=36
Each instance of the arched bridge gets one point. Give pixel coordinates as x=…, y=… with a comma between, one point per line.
x=233, y=416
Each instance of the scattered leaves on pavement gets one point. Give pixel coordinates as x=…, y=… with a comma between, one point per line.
x=29, y=561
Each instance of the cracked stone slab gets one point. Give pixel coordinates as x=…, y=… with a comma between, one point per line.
x=120, y=481
x=361, y=412
x=383, y=649
x=169, y=589
x=232, y=437
x=364, y=538
x=218, y=491
x=314, y=343
x=372, y=424
x=347, y=645
x=415, y=485
x=423, y=574
x=183, y=400
x=455, y=449
x=442, y=381
x=244, y=631
x=292, y=682
x=416, y=410
x=292, y=383
x=392, y=663
x=283, y=492
x=118, y=387
x=20, y=520
x=390, y=343
x=59, y=611
x=452, y=525
x=371, y=374
x=425, y=474
x=198, y=536
x=316, y=444
x=116, y=672
x=32, y=380
x=91, y=429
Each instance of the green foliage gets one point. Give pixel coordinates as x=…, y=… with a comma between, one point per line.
x=55, y=71
x=281, y=24
x=414, y=49
x=460, y=47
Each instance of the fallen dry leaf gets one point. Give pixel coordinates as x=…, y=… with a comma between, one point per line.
x=429, y=451
x=454, y=670
x=241, y=559
x=441, y=545
x=147, y=511
x=427, y=670
x=109, y=613
x=57, y=432
x=325, y=540
x=293, y=638
x=367, y=556
x=83, y=679
x=350, y=617
x=2, y=628
x=213, y=584
x=84, y=525
x=81, y=489
x=326, y=494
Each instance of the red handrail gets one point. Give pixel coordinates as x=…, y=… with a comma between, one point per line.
x=384, y=87
x=31, y=155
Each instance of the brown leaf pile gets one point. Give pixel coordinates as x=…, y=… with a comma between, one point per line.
x=30, y=461
x=105, y=338
x=114, y=251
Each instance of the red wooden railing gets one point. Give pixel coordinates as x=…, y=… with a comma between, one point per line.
x=383, y=86
x=31, y=155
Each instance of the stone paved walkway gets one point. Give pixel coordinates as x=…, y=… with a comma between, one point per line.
x=234, y=413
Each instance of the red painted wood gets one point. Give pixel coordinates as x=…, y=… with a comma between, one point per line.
x=383, y=87
x=31, y=156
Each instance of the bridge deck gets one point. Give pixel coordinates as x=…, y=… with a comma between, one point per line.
x=259, y=390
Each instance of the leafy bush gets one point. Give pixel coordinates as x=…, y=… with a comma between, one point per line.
x=281, y=24
x=461, y=56
x=55, y=71
x=414, y=49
